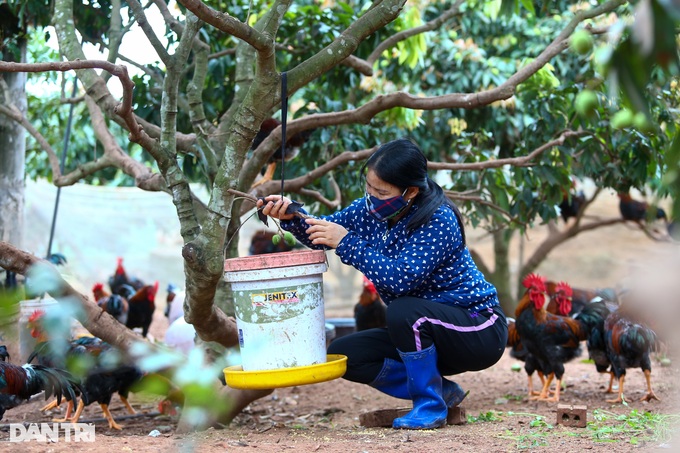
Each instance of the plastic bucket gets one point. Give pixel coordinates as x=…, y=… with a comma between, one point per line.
x=27, y=340
x=279, y=307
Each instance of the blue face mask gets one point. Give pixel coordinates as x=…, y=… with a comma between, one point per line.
x=383, y=210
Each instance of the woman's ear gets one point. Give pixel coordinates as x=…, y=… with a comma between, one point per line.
x=411, y=193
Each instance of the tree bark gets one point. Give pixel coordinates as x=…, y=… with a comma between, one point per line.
x=12, y=155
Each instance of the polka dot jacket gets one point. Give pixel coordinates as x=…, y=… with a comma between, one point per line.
x=430, y=262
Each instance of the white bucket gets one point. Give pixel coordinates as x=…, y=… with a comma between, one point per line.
x=278, y=300
x=28, y=338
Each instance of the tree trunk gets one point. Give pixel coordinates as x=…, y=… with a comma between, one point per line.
x=13, y=157
x=501, y=275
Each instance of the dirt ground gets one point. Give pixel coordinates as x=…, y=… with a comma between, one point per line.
x=324, y=417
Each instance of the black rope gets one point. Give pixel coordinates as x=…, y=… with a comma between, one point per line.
x=284, y=119
x=62, y=165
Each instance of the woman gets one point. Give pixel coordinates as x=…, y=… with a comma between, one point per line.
x=443, y=317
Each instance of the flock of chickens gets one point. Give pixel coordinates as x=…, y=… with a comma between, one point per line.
x=543, y=334
x=97, y=369
x=131, y=301
x=546, y=336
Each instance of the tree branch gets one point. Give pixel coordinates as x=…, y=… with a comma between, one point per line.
x=405, y=34
x=94, y=319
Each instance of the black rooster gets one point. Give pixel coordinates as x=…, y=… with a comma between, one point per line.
x=293, y=144
x=103, y=373
x=593, y=316
x=120, y=278
x=571, y=205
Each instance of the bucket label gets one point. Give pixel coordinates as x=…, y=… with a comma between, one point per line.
x=278, y=297
x=267, y=305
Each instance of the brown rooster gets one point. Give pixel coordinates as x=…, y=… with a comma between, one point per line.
x=638, y=210
x=370, y=311
x=552, y=339
x=19, y=383
x=141, y=307
x=562, y=307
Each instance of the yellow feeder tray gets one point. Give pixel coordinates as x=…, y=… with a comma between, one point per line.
x=335, y=367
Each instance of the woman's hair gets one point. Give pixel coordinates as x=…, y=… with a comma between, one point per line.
x=402, y=164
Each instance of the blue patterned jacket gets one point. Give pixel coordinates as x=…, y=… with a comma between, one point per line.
x=430, y=262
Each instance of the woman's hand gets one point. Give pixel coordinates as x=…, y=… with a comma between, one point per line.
x=324, y=232
x=275, y=206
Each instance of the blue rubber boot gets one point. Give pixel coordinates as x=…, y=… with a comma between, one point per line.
x=424, y=384
x=392, y=381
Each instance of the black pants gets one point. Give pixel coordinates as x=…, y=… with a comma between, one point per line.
x=464, y=341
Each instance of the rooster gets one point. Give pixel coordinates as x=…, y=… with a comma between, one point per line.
x=638, y=210
x=629, y=344
x=571, y=205
x=561, y=306
x=19, y=383
x=593, y=316
x=103, y=373
x=141, y=307
x=552, y=339
x=580, y=297
x=83, y=354
x=4, y=354
x=113, y=304
x=120, y=278
x=370, y=311
x=293, y=145
x=519, y=352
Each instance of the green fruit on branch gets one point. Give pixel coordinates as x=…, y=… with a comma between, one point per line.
x=641, y=122
x=288, y=238
x=581, y=42
x=586, y=103
x=276, y=239
x=622, y=119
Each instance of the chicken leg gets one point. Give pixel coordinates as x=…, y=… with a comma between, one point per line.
x=619, y=398
x=650, y=393
x=545, y=391
x=129, y=408
x=610, y=389
x=109, y=417
x=79, y=410
x=50, y=406
x=532, y=392
x=67, y=415
x=556, y=397
x=268, y=175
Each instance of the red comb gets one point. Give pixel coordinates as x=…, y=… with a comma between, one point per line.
x=564, y=288
x=370, y=287
x=534, y=280
x=36, y=315
x=97, y=287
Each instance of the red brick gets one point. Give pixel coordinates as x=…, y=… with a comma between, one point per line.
x=572, y=416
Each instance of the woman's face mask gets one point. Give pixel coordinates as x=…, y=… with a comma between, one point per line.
x=383, y=210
